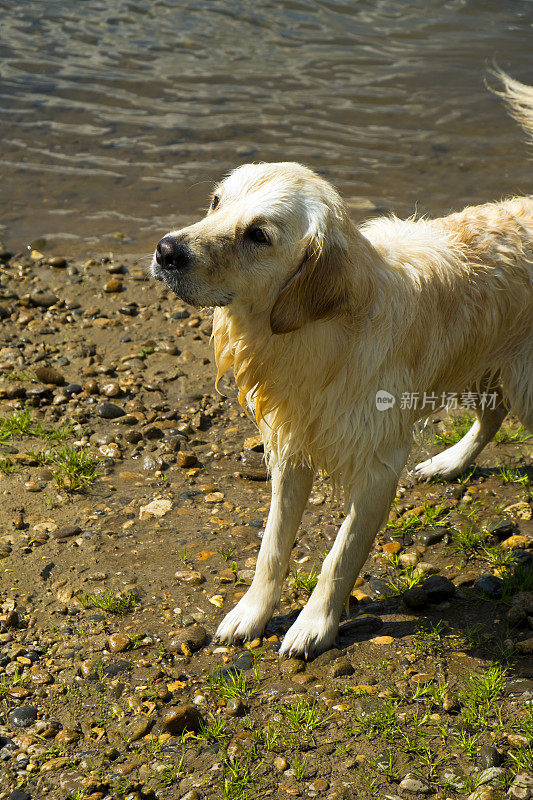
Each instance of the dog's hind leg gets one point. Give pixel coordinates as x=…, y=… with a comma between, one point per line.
x=290, y=491
x=517, y=379
x=369, y=503
x=456, y=459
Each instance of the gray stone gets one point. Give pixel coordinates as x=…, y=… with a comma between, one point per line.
x=109, y=411
x=520, y=686
x=43, y=299
x=454, y=778
x=489, y=756
x=489, y=585
x=490, y=775
x=429, y=536
x=412, y=784
x=22, y=717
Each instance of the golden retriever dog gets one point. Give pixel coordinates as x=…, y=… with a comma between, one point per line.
x=320, y=320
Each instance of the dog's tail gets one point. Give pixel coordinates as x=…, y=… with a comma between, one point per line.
x=518, y=98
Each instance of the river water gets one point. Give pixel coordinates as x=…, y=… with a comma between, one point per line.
x=117, y=116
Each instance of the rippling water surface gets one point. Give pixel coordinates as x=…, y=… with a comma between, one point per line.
x=116, y=117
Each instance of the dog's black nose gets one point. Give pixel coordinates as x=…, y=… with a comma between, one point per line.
x=172, y=254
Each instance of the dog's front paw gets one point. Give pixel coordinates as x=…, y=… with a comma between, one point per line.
x=245, y=622
x=309, y=636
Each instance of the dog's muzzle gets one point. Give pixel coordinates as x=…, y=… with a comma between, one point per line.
x=171, y=254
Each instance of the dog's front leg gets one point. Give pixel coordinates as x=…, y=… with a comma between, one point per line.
x=290, y=490
x=368, y=505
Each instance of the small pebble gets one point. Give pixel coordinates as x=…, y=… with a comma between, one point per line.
x=109, y=411
x=22, y=717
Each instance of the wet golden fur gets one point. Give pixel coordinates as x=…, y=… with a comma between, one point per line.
x=322, y=317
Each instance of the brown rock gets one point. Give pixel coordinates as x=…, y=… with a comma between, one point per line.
x=185, y=459
x=181, y=718
x=118, y=642
x=392, y=548
x=66, y=532
x=189, y=576
x=49, y=375
x=113, y=285
x=57, y=262
x=525, y=646
x=111, y=390
x=195, y=637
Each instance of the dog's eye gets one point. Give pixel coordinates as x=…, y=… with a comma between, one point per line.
x=258, y=235
x=214, y=202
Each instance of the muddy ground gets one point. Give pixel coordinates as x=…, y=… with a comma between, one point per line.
x=133, y=497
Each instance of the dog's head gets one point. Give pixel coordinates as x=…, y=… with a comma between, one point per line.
x=275, y=238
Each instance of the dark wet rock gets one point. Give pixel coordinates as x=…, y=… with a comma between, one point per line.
x=235, y=707
x=43, y=299
x=363, y=624
x=489, y=756
x=153, y=432
x=133, y=437
x=429, y=536
x=438, y=588
x=416, y=597
x=22, y=717
x=489, y=585
x=379, y=587
x=194, y=637
x=116, y=667
x=327, y=657
x=244, y=661
x=19, y=794
x=109, y=411
x=73, y=388
x=180, y=718
x=66, y=532
x=502, y=529
x=49, y=375
x=341, y=668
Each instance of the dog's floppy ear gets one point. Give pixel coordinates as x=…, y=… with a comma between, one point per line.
x=321, y=288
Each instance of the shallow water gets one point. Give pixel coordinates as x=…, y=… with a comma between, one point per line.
x=116, y=118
